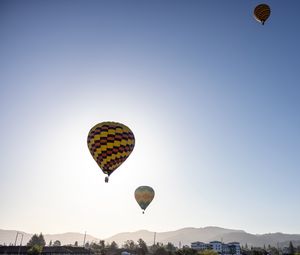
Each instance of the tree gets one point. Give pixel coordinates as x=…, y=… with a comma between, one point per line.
x=291, y=248
x=101, y=247
x=208, y=252
x=153, y=248
x=170, y=247
x=94, y=246
x=142, y=247
x=258, y=251
x=273, y=251
x=50, y=243
x=102, y=244
x=129, y=244
x=160, y=251
x=37, y=240
x=42, y=240
x=113, y=245
x=57, y=243
x=35, y=249
x=186, y=251
x=76, y=243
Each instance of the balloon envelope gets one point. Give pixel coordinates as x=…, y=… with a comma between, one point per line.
x=262, y=13
x=144, y=195
x=110, y=144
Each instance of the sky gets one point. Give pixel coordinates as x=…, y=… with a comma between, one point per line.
x=211, y=95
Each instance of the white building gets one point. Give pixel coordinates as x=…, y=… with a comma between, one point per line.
x=199, y=246
x=232, y=248
x=217, y=246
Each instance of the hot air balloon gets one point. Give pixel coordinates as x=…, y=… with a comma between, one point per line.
x=144, y=195
x=262, y=13
x=110, y=144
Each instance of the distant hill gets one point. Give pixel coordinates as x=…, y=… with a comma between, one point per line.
x=8, y=237
x=207, y=234
x=185, y=236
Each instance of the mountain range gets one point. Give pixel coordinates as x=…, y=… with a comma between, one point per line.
x=182, y=236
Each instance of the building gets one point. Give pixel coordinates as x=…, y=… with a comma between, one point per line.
x=47, y=250
x=232, y=248
x=199, y=246
x=217, y=246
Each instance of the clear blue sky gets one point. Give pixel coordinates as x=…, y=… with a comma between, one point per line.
x=211, y=95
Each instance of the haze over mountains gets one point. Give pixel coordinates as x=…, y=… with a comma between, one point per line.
x=184, y=236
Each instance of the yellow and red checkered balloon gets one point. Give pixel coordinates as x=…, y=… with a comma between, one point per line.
x=110, y=144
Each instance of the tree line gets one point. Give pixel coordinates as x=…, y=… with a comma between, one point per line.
x=37, y=242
